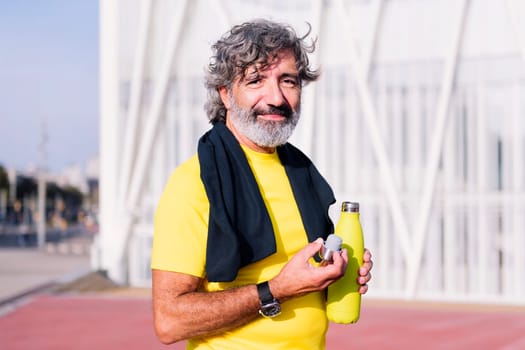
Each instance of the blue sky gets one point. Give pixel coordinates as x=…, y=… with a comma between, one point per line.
x=48, y=74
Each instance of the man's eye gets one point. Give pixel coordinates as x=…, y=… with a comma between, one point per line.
x=253, y=80
x=290, y=82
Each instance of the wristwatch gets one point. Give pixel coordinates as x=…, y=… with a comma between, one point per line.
x=270, y=306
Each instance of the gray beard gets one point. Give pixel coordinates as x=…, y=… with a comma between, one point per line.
x=264, y=133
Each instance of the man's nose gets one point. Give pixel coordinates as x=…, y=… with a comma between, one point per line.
x=274, y=94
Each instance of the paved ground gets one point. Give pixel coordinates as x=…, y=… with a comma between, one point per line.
x=92, y=313
x=429, y=326
x=25, y=269
x=121, y=320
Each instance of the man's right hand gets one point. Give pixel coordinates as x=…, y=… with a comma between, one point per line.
x=299, y=276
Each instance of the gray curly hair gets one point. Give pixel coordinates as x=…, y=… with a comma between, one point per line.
x=258, y=41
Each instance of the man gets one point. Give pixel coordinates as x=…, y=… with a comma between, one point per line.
x=231, y=264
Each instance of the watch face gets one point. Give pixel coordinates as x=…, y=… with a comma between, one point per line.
x=270, y=310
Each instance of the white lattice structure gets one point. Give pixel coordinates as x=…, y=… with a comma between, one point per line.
x=419, y=115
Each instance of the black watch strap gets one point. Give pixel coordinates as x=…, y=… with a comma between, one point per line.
x=265, y=295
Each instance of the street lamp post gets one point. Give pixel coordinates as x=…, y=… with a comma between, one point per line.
x=41, y=225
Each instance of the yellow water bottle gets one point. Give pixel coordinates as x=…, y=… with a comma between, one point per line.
x=343, y=299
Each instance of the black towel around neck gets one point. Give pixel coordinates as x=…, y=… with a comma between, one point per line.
x=240, y=231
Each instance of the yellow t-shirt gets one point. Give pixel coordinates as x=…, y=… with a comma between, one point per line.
x=179, y=245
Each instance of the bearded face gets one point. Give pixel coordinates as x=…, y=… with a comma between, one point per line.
x=265, y=133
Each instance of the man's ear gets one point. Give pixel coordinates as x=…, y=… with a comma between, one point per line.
x=223, y=93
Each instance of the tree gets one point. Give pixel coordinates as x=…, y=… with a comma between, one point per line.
x=26, y=187
x=4, y=180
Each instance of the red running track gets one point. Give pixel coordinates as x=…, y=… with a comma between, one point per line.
x=108, y=322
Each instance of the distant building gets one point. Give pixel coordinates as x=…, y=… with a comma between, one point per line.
x=24, y=188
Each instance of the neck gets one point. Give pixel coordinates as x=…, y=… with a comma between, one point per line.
x=243, y=140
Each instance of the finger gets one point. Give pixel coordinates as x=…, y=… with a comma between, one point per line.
x=343, y=255
x=367, y=256
x=362, y=280
x=363, y=289
x=365, y=268
x=311, y=249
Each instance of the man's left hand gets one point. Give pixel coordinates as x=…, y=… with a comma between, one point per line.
x=364, y=272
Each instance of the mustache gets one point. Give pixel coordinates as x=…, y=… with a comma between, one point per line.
x=284, y=110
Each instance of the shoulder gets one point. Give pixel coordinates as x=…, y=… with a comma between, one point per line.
x=187, y=170
x=184, y=187
x=180, y=222
x=186, y=177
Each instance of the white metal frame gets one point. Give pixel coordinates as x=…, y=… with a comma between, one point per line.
x=137, y=140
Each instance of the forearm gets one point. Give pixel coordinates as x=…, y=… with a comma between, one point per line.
x=199, y=314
